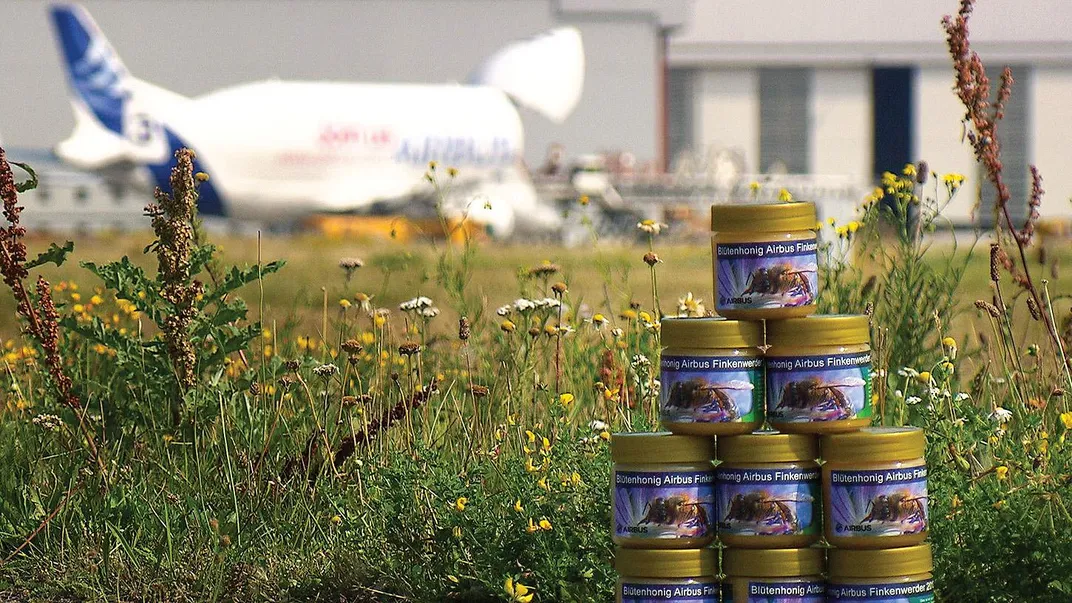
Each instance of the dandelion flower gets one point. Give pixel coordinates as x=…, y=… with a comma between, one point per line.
x=1066, y=420
x=459, y=505
x=599, y=320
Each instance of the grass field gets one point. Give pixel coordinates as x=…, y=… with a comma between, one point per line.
x=605, y=277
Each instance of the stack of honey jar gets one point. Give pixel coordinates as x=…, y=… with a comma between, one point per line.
x=769, y=452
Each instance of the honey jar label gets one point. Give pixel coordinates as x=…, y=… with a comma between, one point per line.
x=784, y=592
x=879, y=502
x=686, y=593
x=751, y=276
x=767, y=502
x=672, y=504
x=713, y=389
x=921, y=591
x=804, y=389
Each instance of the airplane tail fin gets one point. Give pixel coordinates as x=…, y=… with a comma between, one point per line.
x=544, y=73
x=116, y=115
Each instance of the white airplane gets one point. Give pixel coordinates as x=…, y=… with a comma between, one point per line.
x=277, y=151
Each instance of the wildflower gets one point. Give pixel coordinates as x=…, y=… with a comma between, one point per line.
x=575, y=478
x=507, y=326
x=542, y=484
x=1000, y=415
x=546, y=525
x=1000, y=504
x=530, y=436
x=545, y=268
x=452, y=172
x=504, y=310
x=47, y=422
x=430, y=312
x=531, y=528
x=617, y=333
x=924, y=377
x=754, y=187
x=524, y=305
x=953, y=181
x=909, y=170
x=1001, y=471
x=650, y=226
x=96, y=300
x=956, y=502
x=598, y=425
x=325, y=370
x=559, y=288
x=517, y=506
x=459, y=505
x=913, y=400
x=584, y=200
x=415, y=304
x=785, y=196
x=335, y=519
x=409, y=348
x=352, y=346
x=566, y=399
x=690, y=306
x=456, y=532
x=1066, y=419
x=546, y=446
x=605, y=435
x=344, y=303
x=640, y=361
x=961, y=396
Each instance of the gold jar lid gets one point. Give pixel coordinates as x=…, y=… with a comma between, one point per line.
x=654, y=563
x=828, y=329
x=710, y=333
x=768, y=447
x=763, y=217
x=881, y=563
x=874, y=444
x=660, y=447
x=772, y=563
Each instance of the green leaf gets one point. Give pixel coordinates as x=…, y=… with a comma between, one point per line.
x=55, y=255
x=237, y=278
x=26, y=185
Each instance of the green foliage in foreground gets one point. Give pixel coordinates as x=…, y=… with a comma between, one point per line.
x=480, y=456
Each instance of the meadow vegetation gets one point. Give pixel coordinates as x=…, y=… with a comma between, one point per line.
x=437, y=428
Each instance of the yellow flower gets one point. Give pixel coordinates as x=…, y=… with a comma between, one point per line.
x=344, y=303
x=531, y=528
x=529, y=467
x=168, y=438
x=566, y=399
x=1000, y=504
x=956, y=502
x=379, y=320
x=584, y=200
x=949, y=342
x=335, y=519
x=605, y=435
x=545, y=525
x=1066, y=419
x=924, y=377
x=1001, y=471
x=785, y=196
x=459, y=505
x=854, y=226
x=517, y=506
x=754, y=186
x=542, y=484
x=78, y=308
x=644, y=316
x=628, y=315
x=507, y=326
x=96, y=300
x=519, y=593
x=76, y=297
x=546, y=445
x=530, y=436
x=452, y=172
x=575, y=478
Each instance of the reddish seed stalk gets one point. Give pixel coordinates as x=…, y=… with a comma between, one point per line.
x=43, y=322
x=973, y=89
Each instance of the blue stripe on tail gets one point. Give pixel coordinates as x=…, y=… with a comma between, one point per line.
x=94, y=70
x=209, y=202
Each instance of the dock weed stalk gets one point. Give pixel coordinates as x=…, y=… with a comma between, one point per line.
x=39, y=313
